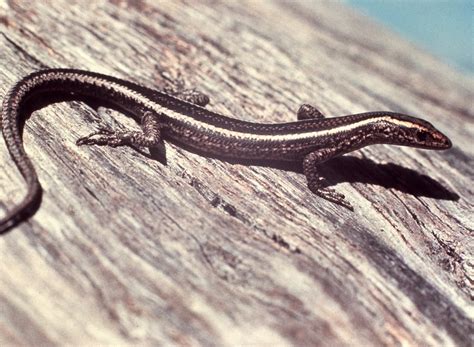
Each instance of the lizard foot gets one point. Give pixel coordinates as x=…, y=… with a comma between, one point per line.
x=105, y=137
x=335, y=197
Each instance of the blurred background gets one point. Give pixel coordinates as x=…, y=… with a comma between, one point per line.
x=443, y=27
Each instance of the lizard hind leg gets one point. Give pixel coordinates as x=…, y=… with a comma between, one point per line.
x=307, y=111
x=149, y=136
x=176, y=87
x=190, y=95
x=316, y=182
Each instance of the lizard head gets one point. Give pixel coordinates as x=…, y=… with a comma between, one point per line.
x=410, y=131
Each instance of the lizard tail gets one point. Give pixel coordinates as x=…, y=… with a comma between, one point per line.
x=11, y=128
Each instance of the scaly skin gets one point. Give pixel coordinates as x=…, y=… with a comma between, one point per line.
x=180, y=117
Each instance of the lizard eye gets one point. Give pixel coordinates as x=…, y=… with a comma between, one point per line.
x=421, y=136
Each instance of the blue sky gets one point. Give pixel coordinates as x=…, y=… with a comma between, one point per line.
x=445, y=28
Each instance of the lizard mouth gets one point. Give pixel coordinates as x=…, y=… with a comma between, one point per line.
x=442, y=141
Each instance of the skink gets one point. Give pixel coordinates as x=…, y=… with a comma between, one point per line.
x=182, y=118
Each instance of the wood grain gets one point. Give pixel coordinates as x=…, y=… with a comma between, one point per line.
x=127, y=250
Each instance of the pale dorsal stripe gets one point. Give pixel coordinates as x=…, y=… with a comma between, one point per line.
x=233, y=134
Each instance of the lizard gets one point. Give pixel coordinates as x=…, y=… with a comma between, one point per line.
x=181, y=117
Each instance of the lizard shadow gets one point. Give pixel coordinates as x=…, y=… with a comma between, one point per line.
x=351, y=169
x=359, y=170
x=342, y=169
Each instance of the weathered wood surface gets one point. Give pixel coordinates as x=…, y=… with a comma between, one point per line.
x=198, y=251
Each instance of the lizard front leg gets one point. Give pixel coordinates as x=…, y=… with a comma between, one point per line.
x=316, y=182
x=149, y=136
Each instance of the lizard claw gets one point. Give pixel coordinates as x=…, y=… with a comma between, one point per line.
x=104, y=131
x=335, y=197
